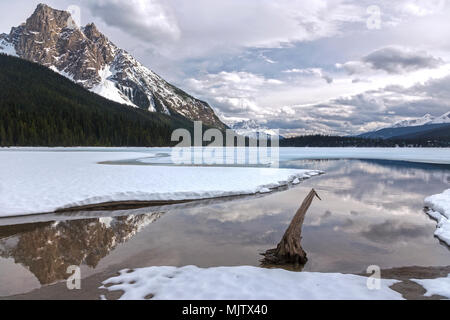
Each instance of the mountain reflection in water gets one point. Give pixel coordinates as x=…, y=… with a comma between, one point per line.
x=47, y=249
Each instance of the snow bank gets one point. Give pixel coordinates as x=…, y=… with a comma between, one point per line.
x=243, y=283
x=39, y=182
x=439, y=210
x=440, y=286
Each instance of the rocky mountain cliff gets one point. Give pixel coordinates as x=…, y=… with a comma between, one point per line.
x=50, y=37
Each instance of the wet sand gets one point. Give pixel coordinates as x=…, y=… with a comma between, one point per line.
x=412, y=290
x=90, y=286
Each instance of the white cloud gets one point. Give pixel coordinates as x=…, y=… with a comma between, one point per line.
x=317, y=72
x=201, y=27
x=234, y=92
x=148, y=20
x=422, y=8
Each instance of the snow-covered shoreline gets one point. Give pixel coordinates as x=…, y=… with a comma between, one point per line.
x=36, y=182
x=439, y=209
x=438, y=286
x=244, y=283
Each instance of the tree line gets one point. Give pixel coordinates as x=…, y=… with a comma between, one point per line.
x=38, y=107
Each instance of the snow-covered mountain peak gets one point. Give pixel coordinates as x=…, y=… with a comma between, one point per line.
x=246, y=124
x=90, y=59
x=252, y=129
x=425, y=120
x=413, y=122
x=445, y=118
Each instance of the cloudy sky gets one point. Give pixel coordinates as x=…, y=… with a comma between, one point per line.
x=336, y=66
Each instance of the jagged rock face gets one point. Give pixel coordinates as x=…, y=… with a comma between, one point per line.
x=85, y=55
x=49, y=37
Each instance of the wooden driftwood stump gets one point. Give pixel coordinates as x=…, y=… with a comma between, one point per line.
x=289, y=250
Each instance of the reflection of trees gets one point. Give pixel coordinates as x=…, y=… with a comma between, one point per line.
x=49, y=248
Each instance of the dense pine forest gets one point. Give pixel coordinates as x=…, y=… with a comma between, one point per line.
x=38, y=107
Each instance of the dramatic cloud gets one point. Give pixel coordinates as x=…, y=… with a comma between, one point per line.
x=370, y=110
x=392, y=60
x=233, y=92
x=204, y=26
x=398, y=60
x=149, y=20
x=247, y=95
x=311, y=71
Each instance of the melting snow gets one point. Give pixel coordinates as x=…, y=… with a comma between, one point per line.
x=243, y=283
x=440, y=286
x=439, y=210
x=39, y=182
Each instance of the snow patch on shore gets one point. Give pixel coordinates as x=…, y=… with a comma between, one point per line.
x=243, y=283
x=440, y=286
x=439, y=209
x=41, y=182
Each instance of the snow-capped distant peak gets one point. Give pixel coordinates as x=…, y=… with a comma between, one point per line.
x=252, y=129
x=246, y=125
x=445, y=118
x=425, y=120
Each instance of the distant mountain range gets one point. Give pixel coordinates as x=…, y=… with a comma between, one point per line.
x=253, y=130
x=425, y=120
x=86, y=56
x=421, y=128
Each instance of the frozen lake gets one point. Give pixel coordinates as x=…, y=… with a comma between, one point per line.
x=371, y=214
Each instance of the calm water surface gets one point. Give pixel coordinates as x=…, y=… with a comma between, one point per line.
x=371, y=213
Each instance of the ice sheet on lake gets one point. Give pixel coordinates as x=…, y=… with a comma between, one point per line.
x=243, y=283
x=39, y=182
x=440, y=286
x=421, y=155
x=439, y=209
x=418, y=155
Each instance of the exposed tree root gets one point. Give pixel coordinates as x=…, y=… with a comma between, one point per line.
x=289, y=250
